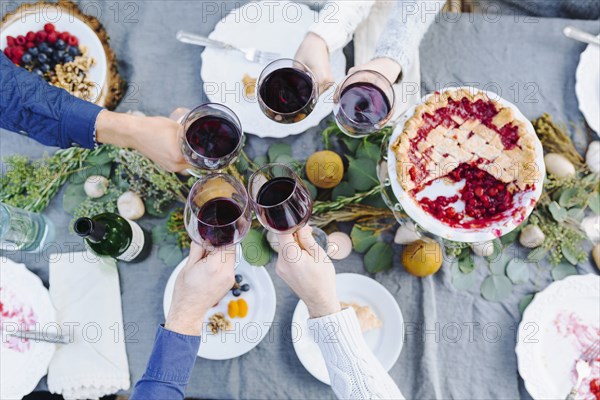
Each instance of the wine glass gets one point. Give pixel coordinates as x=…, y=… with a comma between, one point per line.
x=364, y=103
x=287, y=91
x=218, y=211
x=212, y=137
x=281, y=201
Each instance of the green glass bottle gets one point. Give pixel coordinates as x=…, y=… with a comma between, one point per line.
x=111, y=235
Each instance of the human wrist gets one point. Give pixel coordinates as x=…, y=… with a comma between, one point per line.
x=117, y=128
x=316, y=40
x=185, y=323
x=389, y=68
x=324, y=307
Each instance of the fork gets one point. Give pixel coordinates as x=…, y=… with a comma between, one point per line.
x=251, y=54
x=583, y=367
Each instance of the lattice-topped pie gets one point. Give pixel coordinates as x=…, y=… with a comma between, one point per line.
x=460, y=135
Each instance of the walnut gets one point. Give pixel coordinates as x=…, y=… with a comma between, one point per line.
x=218, y=322
x=72, y=76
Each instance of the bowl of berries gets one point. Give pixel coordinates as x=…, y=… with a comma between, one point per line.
x=60, y=47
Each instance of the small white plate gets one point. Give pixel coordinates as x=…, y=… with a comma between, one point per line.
x=525, y=201
x=557, y=327
x=267, y=26
x=587, y=86
x=23, y=297
x=385, y=342
x=247, y=332
x=34, y=21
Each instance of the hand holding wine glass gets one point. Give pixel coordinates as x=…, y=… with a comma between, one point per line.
x=385, y=66
x=314, y=53
x=202, y=283
x=307, y=270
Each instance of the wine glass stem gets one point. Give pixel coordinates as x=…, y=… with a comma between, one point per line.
x=320, y=237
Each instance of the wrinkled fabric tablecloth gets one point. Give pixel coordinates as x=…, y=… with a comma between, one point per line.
x=457, y=345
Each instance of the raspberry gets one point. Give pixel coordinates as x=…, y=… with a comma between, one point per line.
x=17, y=54
x=29, y=45
x=8, y=52
x=20, y=40
x=30, y=36
x=52, y=37
x=72, y=41
x=64, y=36
x=41, y=37
x=10, y=41
x=49, y=28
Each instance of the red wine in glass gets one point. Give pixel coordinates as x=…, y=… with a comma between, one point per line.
x=213, y=137
x=364, y=103
x=277, y=213
x=287, y=91
x=215, y=221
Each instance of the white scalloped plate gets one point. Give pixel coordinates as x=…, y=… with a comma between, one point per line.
x=23, y=362
x=261, y=25
x=557, y=327
x=526, y=201
x=587, y=86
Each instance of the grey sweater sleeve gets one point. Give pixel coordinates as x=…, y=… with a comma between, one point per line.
x=406, y=26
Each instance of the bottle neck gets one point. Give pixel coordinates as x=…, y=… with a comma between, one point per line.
x=94, y=231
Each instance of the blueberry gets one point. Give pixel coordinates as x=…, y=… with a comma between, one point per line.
x=42, y=47
x=245, y=287
x=38, y=71
x=26, y=59
x=67, y=58
x=45, y=67
x=42, y=57
x=73, y=50
x=239, y=278
x=49, y=50
x=34, y=51
x=60, y=44
x=236, y=292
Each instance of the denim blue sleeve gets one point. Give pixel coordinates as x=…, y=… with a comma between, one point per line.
x=169, y=368
x=50, y=115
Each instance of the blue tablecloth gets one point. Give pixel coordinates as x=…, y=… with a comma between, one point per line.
x=457, y=345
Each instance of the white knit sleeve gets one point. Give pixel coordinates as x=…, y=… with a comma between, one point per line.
x=339, y=19
x=354, y=371
x=406, y=26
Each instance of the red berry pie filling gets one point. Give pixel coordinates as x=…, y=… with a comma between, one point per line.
x=472, y=142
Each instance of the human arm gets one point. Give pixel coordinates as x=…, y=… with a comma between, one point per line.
x=54, y=117
x=401, y=37
x=204, y=281
x=354, y=371
x=334, y=29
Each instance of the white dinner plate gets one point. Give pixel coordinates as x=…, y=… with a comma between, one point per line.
x=24, y=304
x=34, y=20
x=247, y=332
x=587, y=86
x=557, y=327
x=385, y=342
x=277, y=27
x=524, y=201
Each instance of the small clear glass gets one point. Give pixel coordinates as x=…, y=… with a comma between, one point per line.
x=287, y=91
x=23, y=230
x=211, y=137
x=364, y=103
x=218, y=211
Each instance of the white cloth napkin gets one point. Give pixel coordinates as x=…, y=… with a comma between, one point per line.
x=86, y=293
